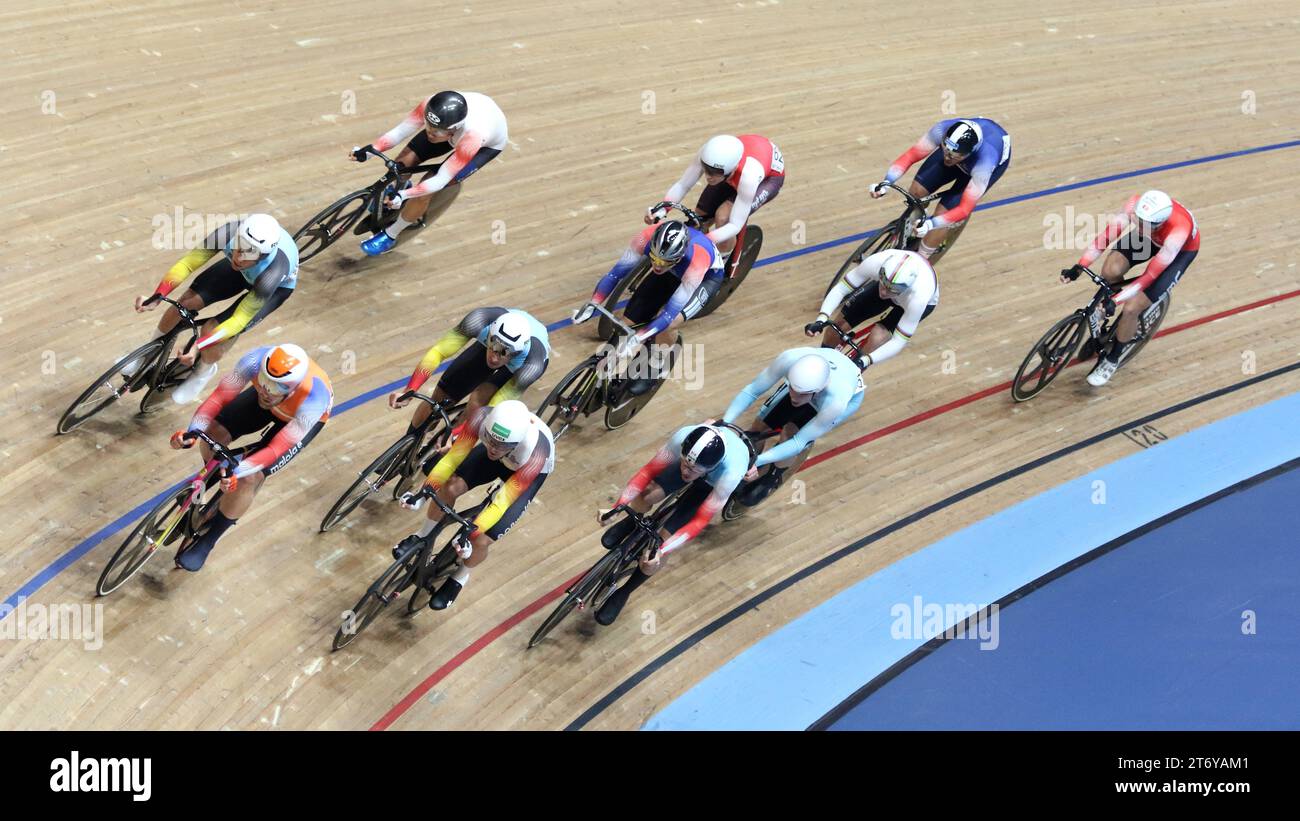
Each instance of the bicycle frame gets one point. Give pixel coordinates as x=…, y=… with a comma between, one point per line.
x=395, y=176
x=152, y=375
x=903, y=225
x=221, y=459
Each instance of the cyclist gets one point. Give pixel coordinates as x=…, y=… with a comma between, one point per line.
x=975, y=153
x=1156, y=220
x=686, y=272
x=502, y=352
x=259, y=259
x=823, y=387
x=741, y=175
x=290, y=393
x=712, y=459
x=507, y=443
x=467, y=124
x=905, y=285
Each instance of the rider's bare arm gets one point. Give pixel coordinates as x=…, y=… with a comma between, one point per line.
x=750, y=179
x=404, y=130
x=690, y=176
x=466, y=148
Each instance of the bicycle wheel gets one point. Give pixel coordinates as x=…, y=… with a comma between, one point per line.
x=434, y=438
x=1048, y=357
x=748, y=255
x=369, y=481
x=385, y=590
x=321, y=231
x=1151, y=332
x=579, y=593
x=172, y=375
x=568, y=399
x=157, y=528
x=630, y=283
x=886, y=238
x=101, y=392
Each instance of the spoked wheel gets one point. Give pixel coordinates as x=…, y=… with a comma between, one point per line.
x=110, y=386
x=580, y=593
x=371, y=480
x=385, y=590
x=630, y=283
x=568, y=399
x=322, y=230
x=1048, y=357
x=434, y=438
x=1151, y=331
x=441, y=567
x=160, y=527
x=748, y=256
x=172, y=375
x=884, y=240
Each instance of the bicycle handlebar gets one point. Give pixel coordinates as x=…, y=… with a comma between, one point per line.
x=912, y=201
x=605, y=312
x=220, y=451
x=430, y=401
x=692, y=219
x=186, y=314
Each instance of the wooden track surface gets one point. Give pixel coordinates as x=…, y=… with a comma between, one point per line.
x=165, y=105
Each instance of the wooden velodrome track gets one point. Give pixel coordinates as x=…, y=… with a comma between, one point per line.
x=161, y=105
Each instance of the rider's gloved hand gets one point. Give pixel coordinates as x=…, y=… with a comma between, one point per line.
x=924, y=226
x=359, y=153
x=182, y=439
x=879, y=189
x=817, y=326
x=463, y=547
x=583, y=314
x=1072, y=273
x=653, y=215
x=229, y=482
x=412, y=499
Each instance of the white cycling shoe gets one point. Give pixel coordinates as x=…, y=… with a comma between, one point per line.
x=188, y=390
x=1101, y=374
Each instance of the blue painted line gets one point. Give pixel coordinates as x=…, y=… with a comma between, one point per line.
x=794, y=676
x=48, y=573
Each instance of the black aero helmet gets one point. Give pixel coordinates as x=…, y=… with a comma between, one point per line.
x=703, y=448
x=961, y=138
x=668, y=244
x=446, y=109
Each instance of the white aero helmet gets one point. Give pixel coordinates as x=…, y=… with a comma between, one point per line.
x=808, y=374
x=511, y=331
x=721, y=154
x=282, y=369
x=897, y=271
x=507, y=424
x=1153, y=207
x=257, y=234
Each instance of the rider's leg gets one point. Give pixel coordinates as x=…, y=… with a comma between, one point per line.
x=422, y=410
x=933, y=241
x=171, y=316
x=451, y=490
x=720, y=217
x=861, y=305
x=478, y=398
x=877, y=336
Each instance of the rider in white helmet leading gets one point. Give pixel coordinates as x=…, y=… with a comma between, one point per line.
x=742, y=174
x=507, y=443
x=822, y=388
x=900, y=282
